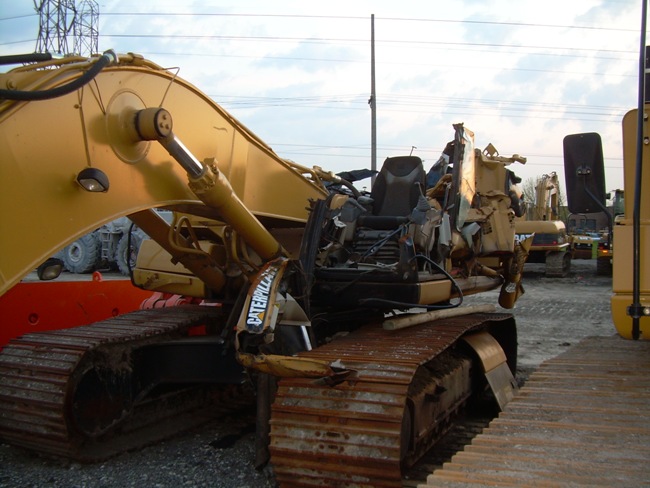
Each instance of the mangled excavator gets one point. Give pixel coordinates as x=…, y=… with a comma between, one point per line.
x=343, y=308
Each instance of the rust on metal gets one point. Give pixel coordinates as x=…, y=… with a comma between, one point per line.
x=582, y=419
x=40, y=372
x=362, y=431
x=495, y=366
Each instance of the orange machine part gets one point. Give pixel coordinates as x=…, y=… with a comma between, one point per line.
x=49, y=305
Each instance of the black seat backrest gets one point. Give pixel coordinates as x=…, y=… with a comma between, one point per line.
x=396, y=190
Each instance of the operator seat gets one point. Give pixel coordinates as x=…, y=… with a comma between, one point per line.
x=395, y=193
x=396, y=190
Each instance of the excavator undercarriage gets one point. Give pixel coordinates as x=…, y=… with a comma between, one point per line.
x=407, y=387
x=91, y=392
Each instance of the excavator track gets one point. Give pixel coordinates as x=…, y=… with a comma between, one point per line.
x=558, y=264
x=49, y=397
x=367, y=430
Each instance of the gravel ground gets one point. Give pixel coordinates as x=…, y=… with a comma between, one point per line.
x=554, y=314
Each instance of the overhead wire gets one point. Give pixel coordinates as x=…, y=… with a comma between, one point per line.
x=392, y=102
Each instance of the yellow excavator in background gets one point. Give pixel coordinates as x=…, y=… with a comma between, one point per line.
x=342, y=308
x=551, y=244
x=605, y=251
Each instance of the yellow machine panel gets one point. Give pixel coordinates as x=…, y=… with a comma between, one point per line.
x=622, y=283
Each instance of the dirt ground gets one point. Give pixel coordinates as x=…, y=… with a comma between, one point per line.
x=553, y=315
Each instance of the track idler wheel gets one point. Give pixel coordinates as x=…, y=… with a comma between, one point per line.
x=100, y=399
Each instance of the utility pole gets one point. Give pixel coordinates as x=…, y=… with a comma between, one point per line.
x=62, y=20
x=373, y=100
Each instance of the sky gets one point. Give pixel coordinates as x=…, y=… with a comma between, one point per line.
x=521, y=75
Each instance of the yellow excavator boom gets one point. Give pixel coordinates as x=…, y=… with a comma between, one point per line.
x=46, y=144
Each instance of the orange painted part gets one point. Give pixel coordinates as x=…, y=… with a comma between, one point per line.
x=164, y=300
x=50, y=305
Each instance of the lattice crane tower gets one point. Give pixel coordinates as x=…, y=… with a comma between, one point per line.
x=61, y=21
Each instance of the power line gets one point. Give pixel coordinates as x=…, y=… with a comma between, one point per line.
x=392, y=103
x=8, y=43
x=16, y=17
x=330, y=40
x=563, y=49
x=428, y=104
x=377, y=18
x=433, y=152
x=384, y=62
x=409, y=63
x=345, y=17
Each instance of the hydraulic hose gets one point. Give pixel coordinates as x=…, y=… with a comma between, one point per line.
x=25, y=58
x=31, y=96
